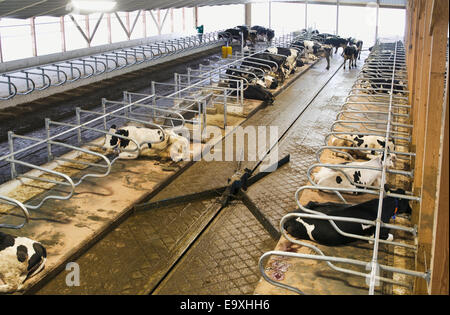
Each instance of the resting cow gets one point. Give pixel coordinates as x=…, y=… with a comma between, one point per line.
x=165, y=144
x=322, y=232
x=20, y=259
x=256, y=88
x=360, y=176
x=292, y=57
x=360, y=141
x=262, y=33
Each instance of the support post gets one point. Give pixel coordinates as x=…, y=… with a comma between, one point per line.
x=337, y=18
x=195, y=16
x=306, y=14
x=248, y=14
x=33, y=36
x=62, y=28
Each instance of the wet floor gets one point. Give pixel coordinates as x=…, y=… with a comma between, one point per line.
x=195, y=249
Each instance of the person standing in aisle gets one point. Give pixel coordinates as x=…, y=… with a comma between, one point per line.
x=200, y=32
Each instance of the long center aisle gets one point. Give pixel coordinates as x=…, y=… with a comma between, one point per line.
x=180, y=249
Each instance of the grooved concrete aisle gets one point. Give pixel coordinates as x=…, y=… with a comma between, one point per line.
x=133, y=258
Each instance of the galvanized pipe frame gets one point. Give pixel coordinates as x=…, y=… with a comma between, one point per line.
x=50, y=140
x=112, y=56
x=227, y=91
x=373, y=277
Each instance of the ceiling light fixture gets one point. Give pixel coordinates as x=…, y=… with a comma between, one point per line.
x=93, y=5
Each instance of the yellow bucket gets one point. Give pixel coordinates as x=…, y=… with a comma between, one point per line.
x=224, y=51
x=230, y=50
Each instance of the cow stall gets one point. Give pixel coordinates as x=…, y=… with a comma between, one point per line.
x=353, y=173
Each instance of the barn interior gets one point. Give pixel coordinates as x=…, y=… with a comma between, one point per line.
x=223, y=147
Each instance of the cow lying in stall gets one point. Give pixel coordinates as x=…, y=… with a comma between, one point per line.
x=269, y=60
x=292, y=58
x=20, y=259
x=360, y=141
x=328, y=177
x=257, y=89
x=166, y=144
x=322, y=232
x=262, y=34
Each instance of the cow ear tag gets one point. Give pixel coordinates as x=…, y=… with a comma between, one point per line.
x=395, y=210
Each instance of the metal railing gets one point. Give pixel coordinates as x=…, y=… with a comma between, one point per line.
x=69, y=165
x=380, y=102
x=28, y=80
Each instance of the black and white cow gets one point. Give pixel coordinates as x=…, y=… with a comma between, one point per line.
x=361, y=141
x=269, y=59
x=256, y=88
x=350, y=54
x=358, y=43
x=328, y=177
x=20, y=259
x=237, y=33
x=166, y=143
x=292, y=57
x=262, y=33
x=336, y=41
x=327, y=50
x=322, y=232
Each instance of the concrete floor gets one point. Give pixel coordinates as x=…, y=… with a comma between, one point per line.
x=144, y=254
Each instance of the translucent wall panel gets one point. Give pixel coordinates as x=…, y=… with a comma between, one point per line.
x=322, y=18
x=74, y=39
x=221, y=17
x=358, y=22
x=287, y=17
x=392, y=24
x=48, y=35
x=16, y=39
x=190, y=23
x=138, y=31
x=178, y=21
x=260, y=14
x=117, y=32
x=152, y=29
x=101, y=35
x=166, y=26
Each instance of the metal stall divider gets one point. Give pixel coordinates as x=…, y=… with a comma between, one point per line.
x=151, y=107
x=391, y=131
x=63, y=71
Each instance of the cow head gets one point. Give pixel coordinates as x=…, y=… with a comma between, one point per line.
x=20, y=259
x=270, y=81
x=401, y=204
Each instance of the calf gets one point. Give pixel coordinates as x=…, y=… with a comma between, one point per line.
x=322, y=232
x=360, y=141
x=20, y=259
x=159, y=142
x=350, y=53
x=328, y=177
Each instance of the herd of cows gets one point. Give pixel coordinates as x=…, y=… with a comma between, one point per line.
x=278, y=63
x=21, y=258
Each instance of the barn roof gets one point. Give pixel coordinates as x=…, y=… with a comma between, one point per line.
x=23, y=9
